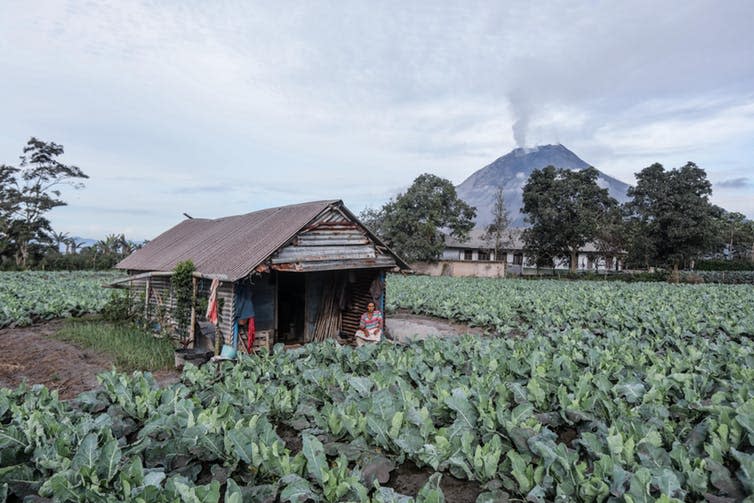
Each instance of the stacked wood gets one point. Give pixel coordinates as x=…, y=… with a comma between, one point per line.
x=328, y=315
x=262, y=340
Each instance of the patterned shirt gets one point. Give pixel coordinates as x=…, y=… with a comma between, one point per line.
x=371, y=323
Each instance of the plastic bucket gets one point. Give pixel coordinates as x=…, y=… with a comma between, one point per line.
x=228, y=352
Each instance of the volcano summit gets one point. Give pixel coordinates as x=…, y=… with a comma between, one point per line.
x=511, y=171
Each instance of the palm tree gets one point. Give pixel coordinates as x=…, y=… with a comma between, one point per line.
x=60, y=238
x=72, y=246
x=109, y=245
x=126, y=246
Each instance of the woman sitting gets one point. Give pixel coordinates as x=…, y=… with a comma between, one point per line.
x=370, y=326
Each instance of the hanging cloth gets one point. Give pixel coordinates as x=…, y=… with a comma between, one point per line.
x=212, y=303
x=244, y=310
x=243, y=305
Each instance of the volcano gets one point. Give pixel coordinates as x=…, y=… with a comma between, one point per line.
x=511, y=171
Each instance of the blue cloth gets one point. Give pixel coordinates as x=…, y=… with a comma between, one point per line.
x=244, y=306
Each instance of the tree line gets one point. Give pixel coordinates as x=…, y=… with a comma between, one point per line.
x=28, y=192
x=668, y=220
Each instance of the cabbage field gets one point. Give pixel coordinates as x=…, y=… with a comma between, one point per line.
x=599, y=392
x=32, y=296
x=569, y=416
x=544, y=306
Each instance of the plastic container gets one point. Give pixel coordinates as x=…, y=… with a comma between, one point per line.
x=228, y=352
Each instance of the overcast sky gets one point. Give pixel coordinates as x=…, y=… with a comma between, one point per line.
x=216, y=108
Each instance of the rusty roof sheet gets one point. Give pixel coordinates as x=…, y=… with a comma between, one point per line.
x=230, y=246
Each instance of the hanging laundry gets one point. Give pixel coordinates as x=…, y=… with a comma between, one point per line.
x=243, y=305
x=244, y=310
x=212, y=303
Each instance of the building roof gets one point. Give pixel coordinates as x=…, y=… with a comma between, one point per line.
x=229, y=247
x=512, y=241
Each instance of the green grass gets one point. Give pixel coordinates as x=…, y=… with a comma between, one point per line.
x=129, y=347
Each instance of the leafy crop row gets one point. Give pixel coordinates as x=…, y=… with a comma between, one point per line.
x=540, y=307
x=31, y=296
x=728, y=277
x=566, y=416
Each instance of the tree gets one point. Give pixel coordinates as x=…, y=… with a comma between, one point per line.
x=412, y=223
x=59, y=239
x=9, y=205
x=72, y=246
x=671, y=214
x=566, y=210
x=29, y=193
x=610, y=239
x=736, y=234
x=495, y=231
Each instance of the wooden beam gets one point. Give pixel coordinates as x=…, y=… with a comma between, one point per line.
x=157, y=274
x=146, y=301
x=192, y=329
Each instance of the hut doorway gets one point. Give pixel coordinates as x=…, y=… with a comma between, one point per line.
x=291, y=306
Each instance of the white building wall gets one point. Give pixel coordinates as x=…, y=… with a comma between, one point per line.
x=585, y=261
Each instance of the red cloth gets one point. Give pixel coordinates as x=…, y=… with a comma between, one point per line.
x=212, y=304
x=212, y=312
x=251, y=331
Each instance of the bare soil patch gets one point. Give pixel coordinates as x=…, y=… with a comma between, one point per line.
x=33, y=355
x=404, y=326
x=408, y=479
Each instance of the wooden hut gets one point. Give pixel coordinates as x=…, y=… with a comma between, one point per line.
x=308, y=269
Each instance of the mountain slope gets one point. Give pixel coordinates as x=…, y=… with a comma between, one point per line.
x=511, y=172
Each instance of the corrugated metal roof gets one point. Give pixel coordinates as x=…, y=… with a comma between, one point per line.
x=232, y=246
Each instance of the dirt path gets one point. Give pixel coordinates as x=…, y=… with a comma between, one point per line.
x=33, y=355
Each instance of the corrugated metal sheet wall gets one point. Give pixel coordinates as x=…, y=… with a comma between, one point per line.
x=162, y=300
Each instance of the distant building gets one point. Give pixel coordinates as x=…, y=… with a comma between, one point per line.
x=478, y=249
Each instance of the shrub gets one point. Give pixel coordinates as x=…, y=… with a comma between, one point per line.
x=724, y=265
x=183, y=288
x=118, y=308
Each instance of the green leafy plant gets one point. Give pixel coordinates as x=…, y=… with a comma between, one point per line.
x=651, y=402
x=31, y=296
x=182, y=283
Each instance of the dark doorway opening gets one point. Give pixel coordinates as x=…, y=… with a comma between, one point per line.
x=291, y=306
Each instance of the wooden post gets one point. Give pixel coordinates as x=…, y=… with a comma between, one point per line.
x=192, y=329
x=307, y=335
x=146, y=302
x=275, y=332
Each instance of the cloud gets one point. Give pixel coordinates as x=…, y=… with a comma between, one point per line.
x=680, y=129
x=112, y=210
x=735, y=183
x=214, y=188
x=275, y=103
